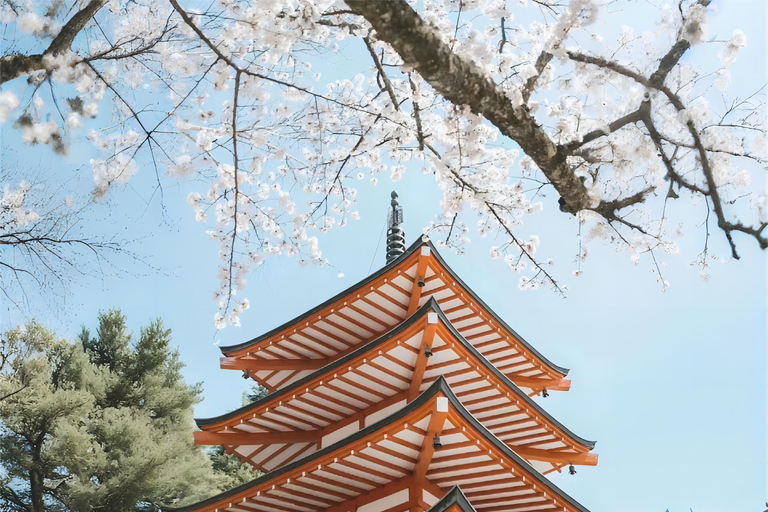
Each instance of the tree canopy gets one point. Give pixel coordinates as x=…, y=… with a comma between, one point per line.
x=503, y=102
x=102, y=423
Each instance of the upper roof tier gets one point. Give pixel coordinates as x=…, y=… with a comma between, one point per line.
x=374, y=306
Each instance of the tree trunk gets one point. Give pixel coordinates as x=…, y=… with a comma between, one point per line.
x=36, y=476
x=36, y=490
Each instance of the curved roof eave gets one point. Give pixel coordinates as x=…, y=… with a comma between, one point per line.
x=440, y=385
x=383, y=270
x=291, y=388
x=506, y=380
x=430, y=305
x=413, y=247
x=500, y=445
x=496, y=317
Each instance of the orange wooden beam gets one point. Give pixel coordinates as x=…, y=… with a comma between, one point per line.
x=582, y=459
x=538, y=384
x=435, y=428
x=231, y=363
x=418, y=278
x=236, y=438
x=421, y=359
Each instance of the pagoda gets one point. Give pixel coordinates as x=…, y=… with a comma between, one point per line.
x=403, y=393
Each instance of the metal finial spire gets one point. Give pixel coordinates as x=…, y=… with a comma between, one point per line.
x=395, y=235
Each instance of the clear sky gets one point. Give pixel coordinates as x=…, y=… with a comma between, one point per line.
x=672, y=385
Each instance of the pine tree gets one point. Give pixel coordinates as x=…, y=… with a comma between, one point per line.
x=229, y=463
x=99, y=423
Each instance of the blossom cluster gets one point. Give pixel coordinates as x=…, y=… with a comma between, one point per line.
x=235, y=98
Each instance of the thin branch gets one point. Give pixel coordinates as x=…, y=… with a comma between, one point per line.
x=384, y=77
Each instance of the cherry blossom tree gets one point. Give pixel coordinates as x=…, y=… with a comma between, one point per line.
x=43, y=245
x=501, y=101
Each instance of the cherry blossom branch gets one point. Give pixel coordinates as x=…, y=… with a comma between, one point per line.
x=416, y=112
x=18, y=64
x=656, y=81
x=235, y=161
x=382, y=74
x=231, y=63
x=463, y=83
x=530, y=258
x=630, y=118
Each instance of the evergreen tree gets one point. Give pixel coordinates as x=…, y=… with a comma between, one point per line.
x=229, y=463
x=99, y=423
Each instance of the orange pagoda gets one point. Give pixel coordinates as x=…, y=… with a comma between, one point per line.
x=403, y=393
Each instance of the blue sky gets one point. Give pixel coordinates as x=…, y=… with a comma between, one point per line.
x=672, y=385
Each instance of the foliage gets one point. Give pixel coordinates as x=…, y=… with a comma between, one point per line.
x=256, y=392
x=503, y=102
x=230, y=464
x=102, y=423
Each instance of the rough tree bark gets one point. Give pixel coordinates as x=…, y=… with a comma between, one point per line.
x=463, y=83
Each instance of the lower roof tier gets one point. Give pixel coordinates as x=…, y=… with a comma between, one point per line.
x=381, y=377
x=409, y=459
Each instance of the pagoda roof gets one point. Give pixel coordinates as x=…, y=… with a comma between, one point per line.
x=375, y=305
x=398, y=453
x=453, y=501
x=375, y=378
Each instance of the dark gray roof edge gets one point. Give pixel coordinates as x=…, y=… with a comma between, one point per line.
x=496, y=317
x=480, y=357
x=453, y=497
x=383, y=270
x=440, y=385
x=418, y=314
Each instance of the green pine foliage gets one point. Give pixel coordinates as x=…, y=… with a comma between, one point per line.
x=230, y=464
x=101, y=423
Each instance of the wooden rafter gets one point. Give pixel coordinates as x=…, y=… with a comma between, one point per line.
x=421, y=358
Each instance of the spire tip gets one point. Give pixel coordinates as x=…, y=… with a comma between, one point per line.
x=395, y=234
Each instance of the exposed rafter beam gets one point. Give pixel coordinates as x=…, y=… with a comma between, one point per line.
x=418, y=280
x=421, y=358
x=582, y=459
x=244, y=438
x=539, y=384
x=435, y=428
x=231, y=363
